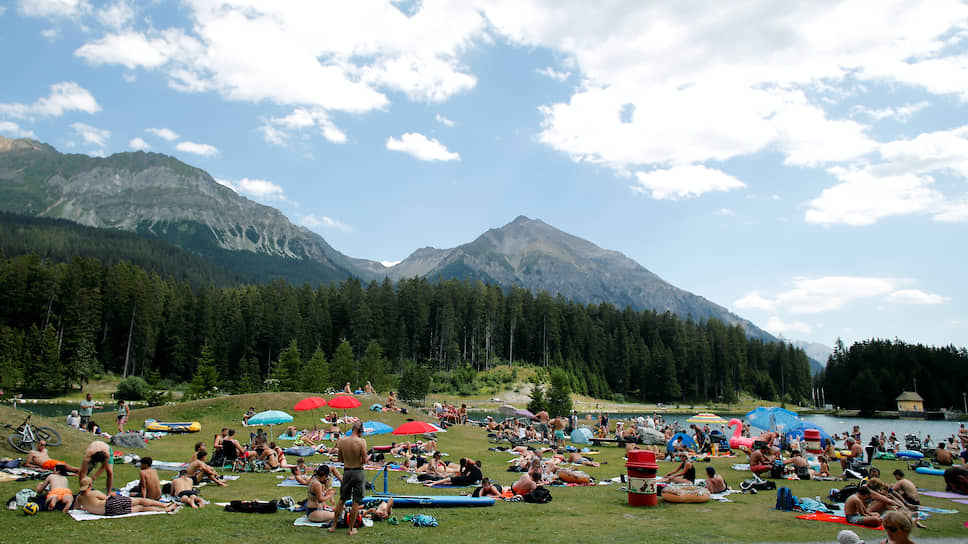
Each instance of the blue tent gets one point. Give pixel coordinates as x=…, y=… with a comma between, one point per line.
x=686, y=440
x=773, y=419
x=581, y=435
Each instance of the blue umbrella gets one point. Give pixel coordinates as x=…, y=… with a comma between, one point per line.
x=773, y=418
x=371, y=428
x=270, y=418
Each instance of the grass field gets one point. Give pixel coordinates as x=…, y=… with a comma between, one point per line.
x=577, y=514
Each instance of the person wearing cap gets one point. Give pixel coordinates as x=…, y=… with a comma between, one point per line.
x=74, y=419
x=352, y=453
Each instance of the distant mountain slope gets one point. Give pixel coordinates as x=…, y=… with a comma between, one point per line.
x=158, y=195
x=536, y=256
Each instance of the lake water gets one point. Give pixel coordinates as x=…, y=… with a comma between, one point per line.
x=56, y=409
x=833, y=425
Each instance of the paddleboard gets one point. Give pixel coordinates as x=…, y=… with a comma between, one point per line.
x=931, y=471
x=431, y=500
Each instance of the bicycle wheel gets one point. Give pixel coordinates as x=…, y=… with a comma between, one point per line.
x=48, y=435
x=16, y=440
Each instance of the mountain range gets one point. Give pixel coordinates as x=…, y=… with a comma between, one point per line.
x=158, y=196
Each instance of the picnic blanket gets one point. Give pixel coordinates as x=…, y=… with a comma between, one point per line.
x=304, y=522
x=820, y=516
x=289, y=482
x=81, y=515
x=741, y=466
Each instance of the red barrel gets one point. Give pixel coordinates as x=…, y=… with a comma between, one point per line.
x=811, y=441
x=642, y=470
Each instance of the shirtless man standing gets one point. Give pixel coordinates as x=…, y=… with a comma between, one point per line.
x=198, y=469
x=98, y=453
x=855, y=509
x=352, y=452
x=60, y=489
x=148, y=481
x=183, y=487
x=38, y=458
x=97, y=503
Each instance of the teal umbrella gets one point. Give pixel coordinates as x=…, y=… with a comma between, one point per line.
x=270, y=418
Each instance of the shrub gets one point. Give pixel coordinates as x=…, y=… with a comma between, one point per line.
x=133, y=388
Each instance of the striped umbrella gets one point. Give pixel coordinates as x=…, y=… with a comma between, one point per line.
x=702, y=419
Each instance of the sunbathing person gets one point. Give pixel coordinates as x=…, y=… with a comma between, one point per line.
x=320, y=493
x=382, y=511
x=685, y=473
x=183, y=488
x=198, y=470
x=526, y=483
x=578, y=459
x=97, y=503
x=60, y=489
x=488, y=489
x=470, y=474
x=715, y=482
x=299, y=475
x=855, y=509
x=148, y=483
x=880, y=499
x=38, y=458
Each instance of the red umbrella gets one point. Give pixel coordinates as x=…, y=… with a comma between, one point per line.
x=415, y=427
x=310, y=403
x=344, y=402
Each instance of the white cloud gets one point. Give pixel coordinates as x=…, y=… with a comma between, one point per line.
x=421, y=147
x=258, y=189
x=754, y=301
x=863, y=198
x=116, y=15
x=548, y=71
x=164, y=133
x=777, y=327
x=816, y=295
x=323, y=222
x=726, y=212
x=3, y=9
x=205, y=150
x=50, y=33
x=138, y=143
x=901, y=113
x=13, y=130
x=277, y=130
x=444, y=121
x=307, y=53
x=915, y=296
x=92, y=135
x=134, y=50
x=684, y=182
x=64, y=97
x=54, y=8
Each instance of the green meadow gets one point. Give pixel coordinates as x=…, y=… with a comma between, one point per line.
x=577, y=514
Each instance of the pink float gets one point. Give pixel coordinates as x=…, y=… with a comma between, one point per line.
x=738, y=440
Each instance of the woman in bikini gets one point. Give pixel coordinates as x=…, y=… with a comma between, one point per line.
x=320, y=492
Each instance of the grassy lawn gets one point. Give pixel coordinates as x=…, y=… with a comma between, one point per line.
x=577, y=514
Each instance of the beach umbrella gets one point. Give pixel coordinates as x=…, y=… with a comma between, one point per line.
x=507, y=410
x=270, y=418
x=344, y=403
x=703, y=419
x=415, y=427
x=310, y=403
x=773, y=418
x=524, y=413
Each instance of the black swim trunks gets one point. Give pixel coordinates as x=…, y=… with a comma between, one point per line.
x=117, y=505
x=187, y=493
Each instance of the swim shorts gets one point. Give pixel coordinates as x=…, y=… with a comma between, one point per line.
x=352, y=485
x=59, y=493
x=51, y=464
x=560, y=435
x=117, y=505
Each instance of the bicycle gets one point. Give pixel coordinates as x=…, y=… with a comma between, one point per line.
x=26, y=435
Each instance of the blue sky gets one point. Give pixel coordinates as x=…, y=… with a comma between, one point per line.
x=803, y=166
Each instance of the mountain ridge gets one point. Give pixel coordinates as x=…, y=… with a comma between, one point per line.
x=159, y=196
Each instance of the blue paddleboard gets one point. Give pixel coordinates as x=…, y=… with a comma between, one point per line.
x=931, y=471
x=431, y=500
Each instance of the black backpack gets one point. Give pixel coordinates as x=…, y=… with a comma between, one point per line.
x=539, y=495
x=841, y=495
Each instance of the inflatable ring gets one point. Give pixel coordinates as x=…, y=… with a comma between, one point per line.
x=574, y=476
x=685, y=493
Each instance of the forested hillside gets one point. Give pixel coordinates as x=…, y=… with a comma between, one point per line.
x=870, y=375
x=60, y=323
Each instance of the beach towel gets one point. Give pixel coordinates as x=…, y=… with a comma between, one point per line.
x=962, y=501
x=289, y=482
x=820, y=516
x=942, y=494
x=81, y=515
x=741, y=466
